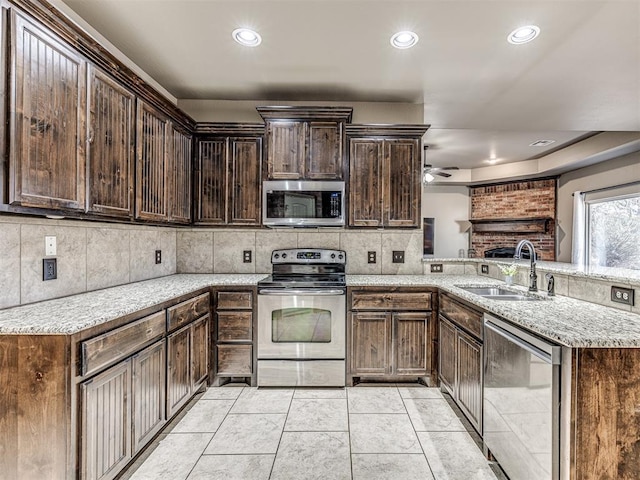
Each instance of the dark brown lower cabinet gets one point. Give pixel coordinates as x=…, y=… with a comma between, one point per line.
x=389, y=333
x=234, y=335
x=460, y=356
x=106, y=423
x=187, y=362
x=129, y=393
x=149, y=386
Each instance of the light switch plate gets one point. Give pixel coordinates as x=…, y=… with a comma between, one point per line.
x=436, y=268
x=50, y=246
x=484, y=269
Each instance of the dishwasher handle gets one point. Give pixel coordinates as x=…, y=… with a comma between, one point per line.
x=552, y=356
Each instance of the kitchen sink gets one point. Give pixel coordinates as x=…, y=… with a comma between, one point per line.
x=501, y=293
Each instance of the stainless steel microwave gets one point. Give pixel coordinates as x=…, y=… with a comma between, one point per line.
x=303, y=203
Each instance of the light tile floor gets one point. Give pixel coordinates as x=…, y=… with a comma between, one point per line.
x=366, y=432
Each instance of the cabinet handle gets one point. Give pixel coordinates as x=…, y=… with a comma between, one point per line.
x=90, y=139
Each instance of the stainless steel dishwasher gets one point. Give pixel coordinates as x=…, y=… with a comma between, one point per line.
x=521, y=401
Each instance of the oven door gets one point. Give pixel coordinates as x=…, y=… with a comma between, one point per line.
x=301, y=324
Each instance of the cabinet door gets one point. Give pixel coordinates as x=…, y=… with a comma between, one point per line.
x=47, y=118
x=244, y=181
x=151, y=171
x=211, y=182
x=370, y=343
x=149, y=385
x=448, y=355
x=324, y=156
x=199, y=351
x=410, y=343
x=106, y=423
x=469, y=389
x=401, y=186
x=365, y=201
x=285, y=150
x=179, y=202
x=110, y=150
x=178, y=369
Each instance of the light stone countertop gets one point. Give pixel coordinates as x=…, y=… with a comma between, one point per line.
x=75, y=313
x=564, y=320
x=567, y=321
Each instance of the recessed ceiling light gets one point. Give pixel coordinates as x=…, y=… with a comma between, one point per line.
x=246, y=37
x=541, y=143
x=523, y=34
x=404, y=39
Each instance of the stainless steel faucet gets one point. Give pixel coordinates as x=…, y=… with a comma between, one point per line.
x=551, y=285
x=533, y=277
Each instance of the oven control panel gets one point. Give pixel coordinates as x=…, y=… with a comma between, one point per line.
x=308, y=255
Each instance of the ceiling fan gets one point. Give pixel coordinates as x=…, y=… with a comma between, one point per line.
x=429, y=170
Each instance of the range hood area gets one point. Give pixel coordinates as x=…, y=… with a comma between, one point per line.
x=512, y=225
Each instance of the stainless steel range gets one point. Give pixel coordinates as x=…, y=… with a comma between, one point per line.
x=302, y=319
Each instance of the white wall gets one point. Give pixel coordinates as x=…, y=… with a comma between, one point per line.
x=450, y=206
x=612, y=172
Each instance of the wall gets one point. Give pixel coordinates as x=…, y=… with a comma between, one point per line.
x=449, y=205
x=533, y=199
x=606, y=174
x=245, y=111
x=220, y=250
x=90, y=256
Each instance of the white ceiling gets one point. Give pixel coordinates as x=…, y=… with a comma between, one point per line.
x=482, y=95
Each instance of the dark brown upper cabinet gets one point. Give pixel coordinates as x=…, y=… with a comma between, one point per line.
x=152, y=154
x=228, y=174
x=111, y=146
x=305, y=142
x=47, y=117
x=180, y=167
x=385, y=175
x=163, y=168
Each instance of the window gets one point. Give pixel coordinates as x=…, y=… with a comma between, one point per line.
x=610, y=231
x=614, y=232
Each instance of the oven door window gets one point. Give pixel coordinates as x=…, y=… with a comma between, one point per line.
x=306, y=325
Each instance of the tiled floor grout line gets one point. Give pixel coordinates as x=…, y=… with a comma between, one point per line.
x=284, y=425
x=346, y=396
x=218, y=428
x=417, y=436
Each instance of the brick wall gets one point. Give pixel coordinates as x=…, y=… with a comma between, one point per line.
x=532, y=199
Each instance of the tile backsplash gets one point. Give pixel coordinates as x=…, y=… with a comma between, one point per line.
x=220, y=251
x=90, y=256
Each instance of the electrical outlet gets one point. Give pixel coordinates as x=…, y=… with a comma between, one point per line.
x=622, y=295
x=436, y=268
x=398, y=256
x=484, y=269
x=49, y=269
x=246, y=256
x=50, y=246
x=371, y=257
x=158, y=256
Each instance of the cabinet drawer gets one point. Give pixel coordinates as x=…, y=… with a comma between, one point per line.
x=234, y=326
x=234, y=360
x=391, y=301
x=235, y=300
x=463, y=316
x=188, y=311
x=107, y=348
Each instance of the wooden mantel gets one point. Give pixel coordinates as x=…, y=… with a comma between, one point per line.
x=511, y=225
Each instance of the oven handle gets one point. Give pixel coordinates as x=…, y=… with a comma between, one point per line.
x=302, y=292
